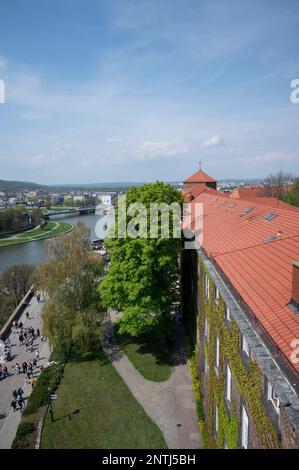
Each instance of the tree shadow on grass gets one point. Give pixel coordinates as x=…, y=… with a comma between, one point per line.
x=69, y=416
x=90, y=356
x=158, y=347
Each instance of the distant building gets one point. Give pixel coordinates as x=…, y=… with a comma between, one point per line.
x=242, y=285
x=59, y=198
x=107, y=199
x=200, y=178
x=79, y=198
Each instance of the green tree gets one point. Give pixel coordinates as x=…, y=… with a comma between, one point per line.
x=292, y=196
x=36, y=216
x=70, y=278
x=275, y=184
x=15, y=281
x=144, y=272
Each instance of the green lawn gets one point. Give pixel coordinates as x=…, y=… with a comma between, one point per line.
x=107, y=415
x=51, y=229
x=150, y=355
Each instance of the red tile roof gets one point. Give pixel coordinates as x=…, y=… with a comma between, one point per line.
x=251, y=191
x=200, y=177
x=192, y=193
x=258, y=268
x=271, y=201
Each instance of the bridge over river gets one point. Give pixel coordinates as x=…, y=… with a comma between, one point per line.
x=71, y=211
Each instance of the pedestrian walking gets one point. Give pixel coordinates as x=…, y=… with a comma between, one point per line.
x=41, y=368
x=27, y=315
x=13, y=404
x=38, y=298
x=17, y=369
x=21, y=339
x=33, y=382
x=21, y=403
x=37, y=332
x=34, y=362
x=20, y=392
x=28, y=375
x=24, y=367
x=37, y=355
x=20, y=325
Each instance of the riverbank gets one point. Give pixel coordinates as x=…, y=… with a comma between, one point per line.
x=49, y=230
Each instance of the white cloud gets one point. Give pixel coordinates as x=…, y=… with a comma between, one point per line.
x=273, y=157
x=39, y=160
x=152, y=149
x=115, y=140
x=215, y=140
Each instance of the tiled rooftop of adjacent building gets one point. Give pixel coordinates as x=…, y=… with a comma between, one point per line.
x=255, y=245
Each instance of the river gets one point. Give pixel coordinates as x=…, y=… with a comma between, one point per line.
x=35, y=252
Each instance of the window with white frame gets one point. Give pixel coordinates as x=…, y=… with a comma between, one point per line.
x=227, y=314
x=216, y=419
x=206, y=329
x=228, y=385
x=217, y=296
x=245, y=427
x=206, y=363
x=207, y=286
x=272, y=397
x=217, y=353
x=245, y=346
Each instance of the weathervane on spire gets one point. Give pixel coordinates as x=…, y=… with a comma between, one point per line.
x=199, y=164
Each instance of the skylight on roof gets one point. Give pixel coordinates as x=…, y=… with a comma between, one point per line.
x=231, y=206
x=248, y=209
x=223, y=202
x=270, y=239
x=270, y=216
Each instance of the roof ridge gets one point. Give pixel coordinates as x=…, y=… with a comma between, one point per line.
x=252, y=246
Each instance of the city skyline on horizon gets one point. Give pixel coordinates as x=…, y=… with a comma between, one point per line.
x=118, y=93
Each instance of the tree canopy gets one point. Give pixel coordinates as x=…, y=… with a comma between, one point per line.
x=142, y=281
x=292, y=196
x=275, y=184
x=70, y=279
x=15, y=281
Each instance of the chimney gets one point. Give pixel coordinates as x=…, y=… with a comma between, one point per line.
x=295, y=285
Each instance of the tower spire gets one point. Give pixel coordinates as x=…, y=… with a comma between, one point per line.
x=199, y=164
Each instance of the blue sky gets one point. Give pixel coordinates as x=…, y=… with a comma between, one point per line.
x=132, y=90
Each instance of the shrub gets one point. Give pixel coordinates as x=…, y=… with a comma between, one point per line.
x=50, y=377
x=21, y=439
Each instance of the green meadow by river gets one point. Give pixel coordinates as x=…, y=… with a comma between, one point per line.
x=49, y=230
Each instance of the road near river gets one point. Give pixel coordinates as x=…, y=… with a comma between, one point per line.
x=34, y=252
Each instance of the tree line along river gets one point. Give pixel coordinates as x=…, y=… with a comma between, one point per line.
x=35, y=252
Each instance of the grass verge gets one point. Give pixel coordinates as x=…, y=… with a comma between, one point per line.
x=95, y=409
x=150, y=355
x=50, y=229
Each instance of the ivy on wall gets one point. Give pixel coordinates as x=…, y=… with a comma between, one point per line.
x=248, y=380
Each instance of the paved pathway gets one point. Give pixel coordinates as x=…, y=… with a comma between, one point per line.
x=170, y=404
x=10, y=422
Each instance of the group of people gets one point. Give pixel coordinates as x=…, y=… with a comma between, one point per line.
x=26, y=337
x=28, y=368
x=3, y=371
x=17, y=400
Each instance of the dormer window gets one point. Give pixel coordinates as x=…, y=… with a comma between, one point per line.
x=217, y=296
x=245, y=347
x=206, y=330
x=207, y=286
x=272, y=397
x=227, y=314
